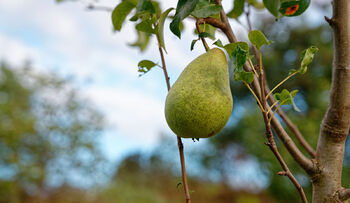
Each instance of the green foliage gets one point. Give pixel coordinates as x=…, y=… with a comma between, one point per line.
x=257, y=38
x=205, y=8
x=160, y=27
x=208, y=29
x=145, y=66
x=238, y=8
x=183, y=9
x=145, y=6
x=120, y=12
x=232, y=46
x=286, y=97
x=306, y=58
x=239, y=56
x=146, y=26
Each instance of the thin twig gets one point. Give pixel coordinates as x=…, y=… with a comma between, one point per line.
x=271, y=141
x=99, y=8
x=179, y=141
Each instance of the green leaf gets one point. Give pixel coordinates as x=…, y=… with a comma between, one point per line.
x=294, y=8
x=247, y=77
x=238, y=7
x=205, y=9
x=239, y=56
x=218, y=43
x=145, y=5
x=146, y=26
x=193, y=43
x=272, y=6
x=145, y=66
x=120, y=12
x=160, y=27
x=257, y=38
x=306, y=58
x=256, y=4
x=183, y=9
x=232, y=46
x=142, y=40
x=205, y=34
x=286, y=97
x=144, y=10
x=207, y=28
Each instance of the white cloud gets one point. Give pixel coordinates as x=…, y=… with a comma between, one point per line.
x=14, y=51
x=132, y=112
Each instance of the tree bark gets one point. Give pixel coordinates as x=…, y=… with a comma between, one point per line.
x=336, y=122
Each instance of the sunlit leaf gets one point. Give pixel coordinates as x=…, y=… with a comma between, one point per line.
x=257, y=38
x=306, y=58
x=232, y=46
x=183, y=9
x=285, y=97
x=145, y=66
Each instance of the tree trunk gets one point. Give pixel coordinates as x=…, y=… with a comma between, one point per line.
x=336, y=122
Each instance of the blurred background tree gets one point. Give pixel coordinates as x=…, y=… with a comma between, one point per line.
x=48, y=135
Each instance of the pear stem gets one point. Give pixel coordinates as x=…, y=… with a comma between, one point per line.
x=202, y=38
x=179, y=141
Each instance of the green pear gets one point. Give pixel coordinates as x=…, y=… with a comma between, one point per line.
x=200, y=102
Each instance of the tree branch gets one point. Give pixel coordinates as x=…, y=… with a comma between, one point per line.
x=271, y=142
x=336, y=122
x=344, y=194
